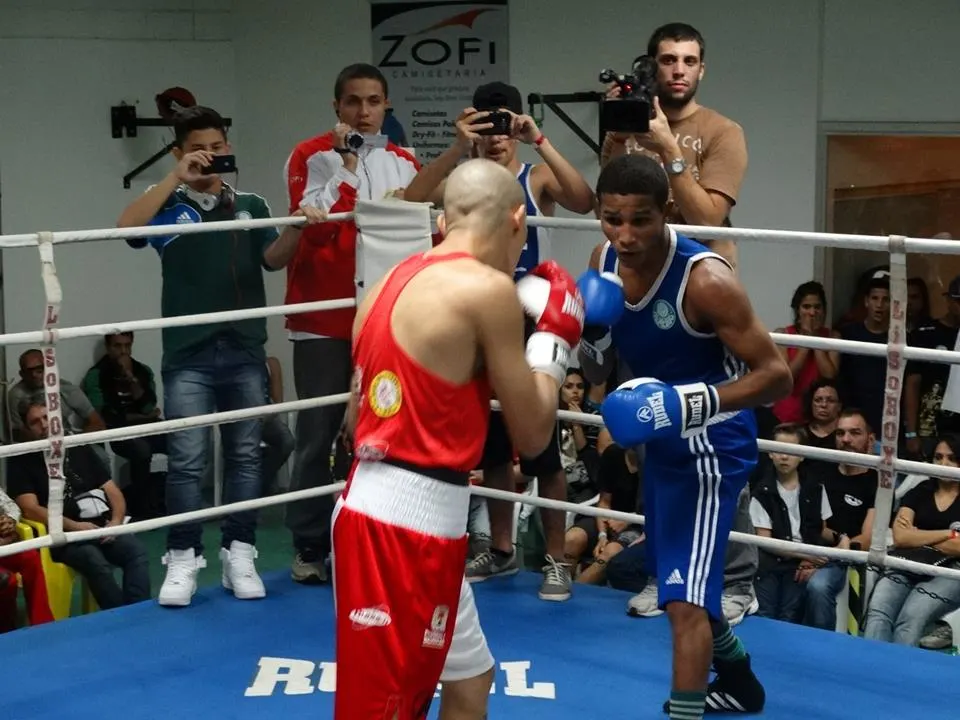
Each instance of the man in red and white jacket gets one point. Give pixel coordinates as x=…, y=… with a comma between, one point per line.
x=328, y=173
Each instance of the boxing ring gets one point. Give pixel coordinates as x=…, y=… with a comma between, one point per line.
x=225, y=658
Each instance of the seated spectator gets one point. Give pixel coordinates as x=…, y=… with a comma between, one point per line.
x=90, y=500
x=275, y=436
x=597, y=539
x=578, y=443
x=809, y=305
x=903, y=604
x=851, y=491
x=862, y=378
x=822, y=414
x=787, y=505
x=923, y=417
x=79, y=415
x=28, y=566
x=123, y=391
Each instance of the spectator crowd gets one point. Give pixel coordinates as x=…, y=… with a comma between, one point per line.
x=837, y=400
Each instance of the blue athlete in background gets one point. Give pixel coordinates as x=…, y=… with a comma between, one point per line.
x=675, y=315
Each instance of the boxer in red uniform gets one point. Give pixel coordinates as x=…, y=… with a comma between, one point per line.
x=431, y=341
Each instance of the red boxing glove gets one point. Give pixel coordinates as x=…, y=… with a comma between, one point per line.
x=550, y=296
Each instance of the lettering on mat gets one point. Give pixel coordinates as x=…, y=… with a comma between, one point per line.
x=290, y=676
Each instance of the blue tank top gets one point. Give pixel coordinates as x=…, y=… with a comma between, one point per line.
x=654, y=339
x=537, y=245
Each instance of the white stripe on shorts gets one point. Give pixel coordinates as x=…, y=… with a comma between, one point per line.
x=705, y=523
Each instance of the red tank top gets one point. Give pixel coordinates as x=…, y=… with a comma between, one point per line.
x=405, y=412
x=791, y=408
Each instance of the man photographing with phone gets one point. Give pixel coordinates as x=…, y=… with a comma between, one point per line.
x=703, y=153
x=493, y=128
x=212, y=367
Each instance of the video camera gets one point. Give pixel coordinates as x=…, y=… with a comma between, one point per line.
x=632, y=111
x=355, y=140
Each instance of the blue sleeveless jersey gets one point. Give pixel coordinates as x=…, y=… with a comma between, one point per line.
x=653, y=337
x=537, y=245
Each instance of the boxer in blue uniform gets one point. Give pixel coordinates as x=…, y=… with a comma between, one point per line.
x=675, y=314
x=546, y=185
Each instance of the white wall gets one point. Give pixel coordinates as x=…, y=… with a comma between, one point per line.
x=272, y=68
x=61, y=169
x=888, y=61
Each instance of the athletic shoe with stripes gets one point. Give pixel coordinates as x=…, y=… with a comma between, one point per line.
x=735, y=690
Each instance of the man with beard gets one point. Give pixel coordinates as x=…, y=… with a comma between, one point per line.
x=851, y=491
x=703, y=152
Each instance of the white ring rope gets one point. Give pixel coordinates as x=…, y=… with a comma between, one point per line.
x=887, y=464
x=80, y=331
x=164, y=426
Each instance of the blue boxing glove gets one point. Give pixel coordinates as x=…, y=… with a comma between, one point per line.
x=646, y=409
x=603, y=301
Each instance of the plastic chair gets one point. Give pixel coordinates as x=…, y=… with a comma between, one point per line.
x=59, y=577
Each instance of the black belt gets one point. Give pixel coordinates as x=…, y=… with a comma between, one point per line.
x=444, y=475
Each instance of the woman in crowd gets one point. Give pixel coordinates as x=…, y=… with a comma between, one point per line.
x=578, y=442
x=822, y=414
x=927, y=530
x=809, y=305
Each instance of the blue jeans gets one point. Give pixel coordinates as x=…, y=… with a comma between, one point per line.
x=96, y=561
x=222, y=376
x=900, y=613
x=627, y=569
x=822, y=591
x=779, y=596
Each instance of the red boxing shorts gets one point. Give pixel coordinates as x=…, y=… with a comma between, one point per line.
x=406, y=619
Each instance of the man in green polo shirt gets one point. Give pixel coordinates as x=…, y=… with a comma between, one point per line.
x=214, y=367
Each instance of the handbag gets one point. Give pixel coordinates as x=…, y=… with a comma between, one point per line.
x=924, y=554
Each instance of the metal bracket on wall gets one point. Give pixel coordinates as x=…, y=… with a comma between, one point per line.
x=553, y=102
x=124, y=123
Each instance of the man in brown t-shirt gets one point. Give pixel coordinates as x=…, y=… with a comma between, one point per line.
x=703, y=152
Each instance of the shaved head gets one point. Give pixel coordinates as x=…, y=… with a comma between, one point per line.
x=481, y=195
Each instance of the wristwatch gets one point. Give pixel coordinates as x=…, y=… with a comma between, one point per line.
x=676, y=166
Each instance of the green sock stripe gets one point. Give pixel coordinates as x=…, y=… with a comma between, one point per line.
x=686, y=705
x=728, y=647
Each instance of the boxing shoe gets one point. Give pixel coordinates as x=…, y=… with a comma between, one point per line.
x=735, y=689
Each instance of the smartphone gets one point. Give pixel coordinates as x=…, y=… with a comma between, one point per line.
x=502, y=123
x=221, y=164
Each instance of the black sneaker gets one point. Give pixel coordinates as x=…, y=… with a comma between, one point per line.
x=734, y=690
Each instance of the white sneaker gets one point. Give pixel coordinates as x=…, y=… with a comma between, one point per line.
x=239, y=573
x=181, y=581
x=644, y=604
x=738, y=602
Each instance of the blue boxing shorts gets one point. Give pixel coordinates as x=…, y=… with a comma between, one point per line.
x=691, y=488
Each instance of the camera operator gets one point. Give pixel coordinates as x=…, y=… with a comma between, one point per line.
x=331, y=171
x=703, y=152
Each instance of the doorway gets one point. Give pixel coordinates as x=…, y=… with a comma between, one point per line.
x=883, y=184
